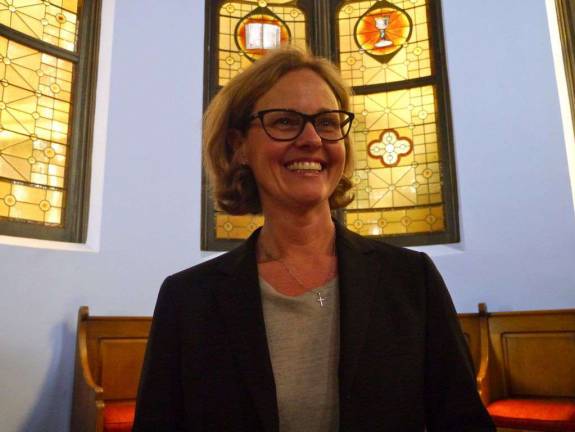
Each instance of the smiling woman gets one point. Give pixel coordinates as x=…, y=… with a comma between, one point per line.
x=245, y=98
x=306, y=326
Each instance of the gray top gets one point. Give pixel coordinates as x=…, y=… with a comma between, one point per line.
x=303, y=340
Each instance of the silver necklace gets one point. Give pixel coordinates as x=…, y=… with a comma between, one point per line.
x=269, y=257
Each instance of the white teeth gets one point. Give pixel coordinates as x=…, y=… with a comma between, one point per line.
x=304, y=166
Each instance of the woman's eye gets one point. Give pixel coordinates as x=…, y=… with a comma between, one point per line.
x=327, y=123
x=284, y=122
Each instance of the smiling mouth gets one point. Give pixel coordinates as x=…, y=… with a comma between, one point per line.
x=305, y=166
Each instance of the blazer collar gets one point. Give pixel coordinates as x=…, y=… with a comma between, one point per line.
x=238, y=295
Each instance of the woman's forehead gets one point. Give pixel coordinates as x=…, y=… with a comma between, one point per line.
x=302, y=89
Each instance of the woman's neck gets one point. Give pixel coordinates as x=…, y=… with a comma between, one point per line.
x=289, y=234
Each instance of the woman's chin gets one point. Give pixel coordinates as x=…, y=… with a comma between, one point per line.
x=310, y=201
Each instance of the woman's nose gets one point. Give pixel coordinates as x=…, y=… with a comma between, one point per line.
x=309, y=136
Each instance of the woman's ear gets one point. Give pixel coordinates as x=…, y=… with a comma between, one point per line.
x=237, y=142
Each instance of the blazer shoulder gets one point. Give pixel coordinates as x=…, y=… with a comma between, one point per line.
x=226, y=264
x=206, y=269
x=381, y=247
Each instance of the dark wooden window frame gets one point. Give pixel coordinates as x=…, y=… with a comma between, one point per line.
x=77, y=176
x=323, y=40
x=566, y=22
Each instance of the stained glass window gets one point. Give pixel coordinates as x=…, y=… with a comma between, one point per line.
x=403, y=168
x=45, y=53
x=389, y=51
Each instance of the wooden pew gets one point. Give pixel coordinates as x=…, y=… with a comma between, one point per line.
x=524, y=362
x=109, y=356
x=530, y=382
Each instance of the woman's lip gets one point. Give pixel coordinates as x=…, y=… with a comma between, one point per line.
x=305, y=173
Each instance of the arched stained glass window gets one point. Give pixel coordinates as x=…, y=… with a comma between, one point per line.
x=391, y=53
x=47, y=51
x=402, y=182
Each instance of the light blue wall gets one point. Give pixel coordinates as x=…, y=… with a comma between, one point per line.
x=516, y=210
x=517, y=218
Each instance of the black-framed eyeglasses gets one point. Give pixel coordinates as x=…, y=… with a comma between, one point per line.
x=287, y=125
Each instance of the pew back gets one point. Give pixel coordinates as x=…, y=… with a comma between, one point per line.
x=533, y=354
x=109, y=356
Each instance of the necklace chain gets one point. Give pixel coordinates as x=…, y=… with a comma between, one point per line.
x=268, y=257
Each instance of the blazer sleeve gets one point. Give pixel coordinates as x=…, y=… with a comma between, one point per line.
x=159, y=405
x=452, y=403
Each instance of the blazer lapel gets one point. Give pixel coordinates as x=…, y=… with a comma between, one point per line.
x=239, y=297
x=359, y=274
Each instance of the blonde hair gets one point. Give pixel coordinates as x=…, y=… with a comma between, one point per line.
x=234, y=187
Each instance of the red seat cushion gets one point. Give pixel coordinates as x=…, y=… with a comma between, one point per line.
x=535, y=414
x=119, y=416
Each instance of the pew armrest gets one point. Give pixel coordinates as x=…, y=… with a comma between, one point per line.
x=483, y=372
x=88, y=406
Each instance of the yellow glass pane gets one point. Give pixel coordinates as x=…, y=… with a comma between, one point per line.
x=396, y=150
x=53, y=216
x=31, y=203
x=56, y=181
x=236, y=227
x=396, y=222
x=234, y=15
x=28, y=194
x=53, y=21
x=34, y=115
x=31, y=212
x=35, y=96
x=411, y=56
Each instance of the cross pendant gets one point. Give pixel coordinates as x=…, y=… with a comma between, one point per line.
x=320, y=299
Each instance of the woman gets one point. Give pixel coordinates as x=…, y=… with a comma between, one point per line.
x=305, y=326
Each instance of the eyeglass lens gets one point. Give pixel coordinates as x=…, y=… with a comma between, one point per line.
x=286, y=125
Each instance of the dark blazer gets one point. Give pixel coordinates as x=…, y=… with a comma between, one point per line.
x=404, y=363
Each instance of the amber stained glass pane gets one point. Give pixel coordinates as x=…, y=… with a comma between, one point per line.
x=255, y=21
x=54, y=21
x=32, y=203
x=397, y=155
x=236, y=227
x=412, y=59
x=397, y=222
x=35, y=94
